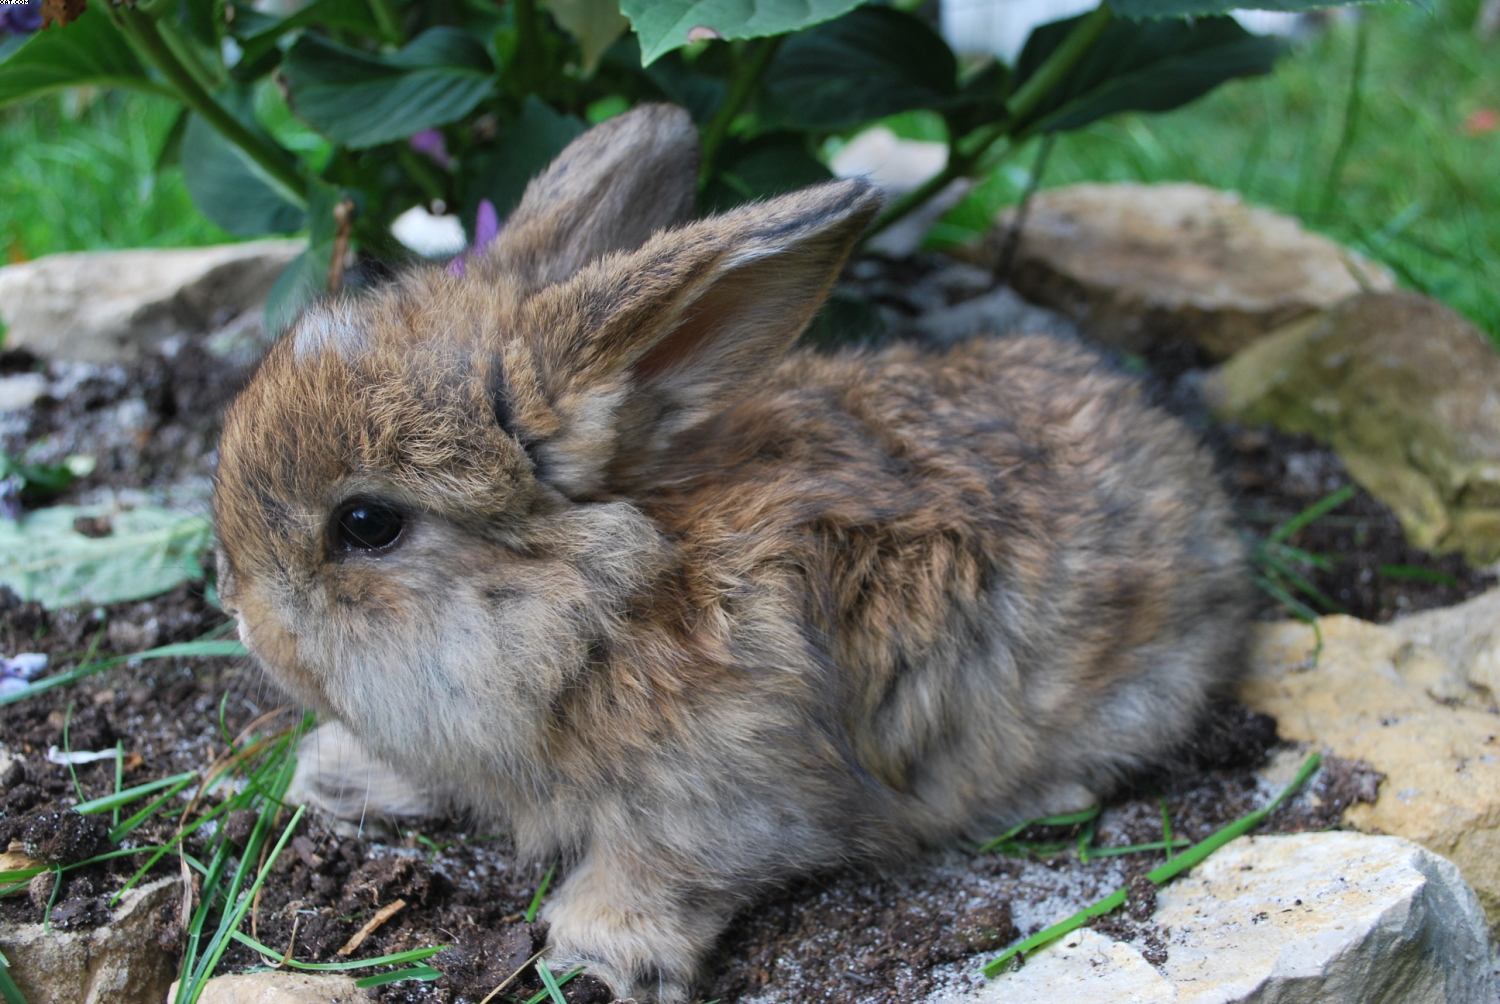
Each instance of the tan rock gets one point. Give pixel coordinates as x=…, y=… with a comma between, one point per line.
x=1339, y=918
x=1135, y=265
x=1414, y=699
x=119, y=963
x=105, y=306
x=1407, y=392
x=280, y=988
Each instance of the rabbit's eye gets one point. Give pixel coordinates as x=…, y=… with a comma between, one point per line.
x=367, y=526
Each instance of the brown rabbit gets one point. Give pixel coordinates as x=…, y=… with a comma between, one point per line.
x=578, y=542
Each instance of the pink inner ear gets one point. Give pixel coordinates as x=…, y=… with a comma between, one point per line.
x=705, y=320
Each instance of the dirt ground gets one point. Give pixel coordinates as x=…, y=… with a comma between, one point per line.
x=888, y=935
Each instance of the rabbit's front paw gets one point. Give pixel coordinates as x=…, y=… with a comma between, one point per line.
x=629, y=933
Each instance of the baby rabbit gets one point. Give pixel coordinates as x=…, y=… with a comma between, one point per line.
x=579, y=542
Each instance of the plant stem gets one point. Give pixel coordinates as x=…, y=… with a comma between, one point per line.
x=973, y=151
x=1007, y=256
x=141, y=30
x=747, y=75
x=1062, y=60
x=385, y=19
x=528, y=46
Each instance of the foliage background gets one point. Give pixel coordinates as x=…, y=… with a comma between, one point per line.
x=1417, y=187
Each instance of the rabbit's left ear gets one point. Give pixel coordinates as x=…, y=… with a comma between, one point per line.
x=640, y=346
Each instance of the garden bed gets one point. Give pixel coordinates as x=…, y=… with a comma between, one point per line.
x=869, y=934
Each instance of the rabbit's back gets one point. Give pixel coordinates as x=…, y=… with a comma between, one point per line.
x=1020, y=579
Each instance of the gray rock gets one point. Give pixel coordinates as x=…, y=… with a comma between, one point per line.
x=110, y=306
x=999, y=313
x=280, y=988
x=1338, y=918
x=118, y=963
x=1138, y=265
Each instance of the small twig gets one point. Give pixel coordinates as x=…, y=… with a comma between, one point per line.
x=506, y=982
x=382, y=915
x=1007, y=256
x=343, y=215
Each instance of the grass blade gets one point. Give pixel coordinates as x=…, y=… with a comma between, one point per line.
x=201, y=647
x=8, y=988
x=541, y=890
x=1158, y=876
x=423, y=972
x=551, y=985
x=1312, y=513
x=131, y=794
x=415, y=955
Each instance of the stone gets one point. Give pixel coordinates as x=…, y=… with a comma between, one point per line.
x=1415, y=700
x=999, y=313
x=1137, y=266
x=1408, y=393
x=279, y=988
x=118, y=963
x=110, y=306
x=1338, y=918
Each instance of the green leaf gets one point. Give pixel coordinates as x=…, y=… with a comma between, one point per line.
x=305, y=277
x=361, y=100
x=683, y=85
x=148, y=551
x=870, y=63
x=596, y=24
x=88, y=51
x=663, y=25
x=231, y=189
x=1150, y=66
x=260, y=34
x=1140, y=9
x=770, y=165
x=527, y=146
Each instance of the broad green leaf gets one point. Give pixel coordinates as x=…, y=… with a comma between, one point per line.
x=663, y=25
x=870, y=63
x=305, y=277
x=526, y=147
x=230, y=188
x=595, y=23
x=683, y=85
x=1150, y=66
x=259, y=33
x=148, y=551
x=771, y=165
x=1141, y=9
x=361, y=100
x=88, y=51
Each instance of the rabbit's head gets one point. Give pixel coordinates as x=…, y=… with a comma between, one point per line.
x=423, y=496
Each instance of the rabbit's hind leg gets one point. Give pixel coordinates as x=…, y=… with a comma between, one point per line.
x=336, y=774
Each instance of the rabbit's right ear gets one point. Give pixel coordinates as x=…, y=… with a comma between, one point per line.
x=609, y=190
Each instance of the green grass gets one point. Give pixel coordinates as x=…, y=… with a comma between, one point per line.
x=78, y=175
x=1415, y=191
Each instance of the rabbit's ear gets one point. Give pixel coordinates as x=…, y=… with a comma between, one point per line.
x=640, y=346
x=609, y=190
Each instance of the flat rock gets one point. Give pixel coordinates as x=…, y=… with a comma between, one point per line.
x=1415, y=700
x=1408, y=393
x=110, y=306
x=1138, y=265
x=280, y=988
x=1327, y=917
x=997, y=313
x=118, y=963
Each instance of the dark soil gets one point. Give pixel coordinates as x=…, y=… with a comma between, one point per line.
x=890, y=935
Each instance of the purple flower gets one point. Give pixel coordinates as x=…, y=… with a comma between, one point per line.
x=20, y=19
x=486, y=229
x=431, y=143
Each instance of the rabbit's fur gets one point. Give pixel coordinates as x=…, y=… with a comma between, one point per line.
x=696, y=612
